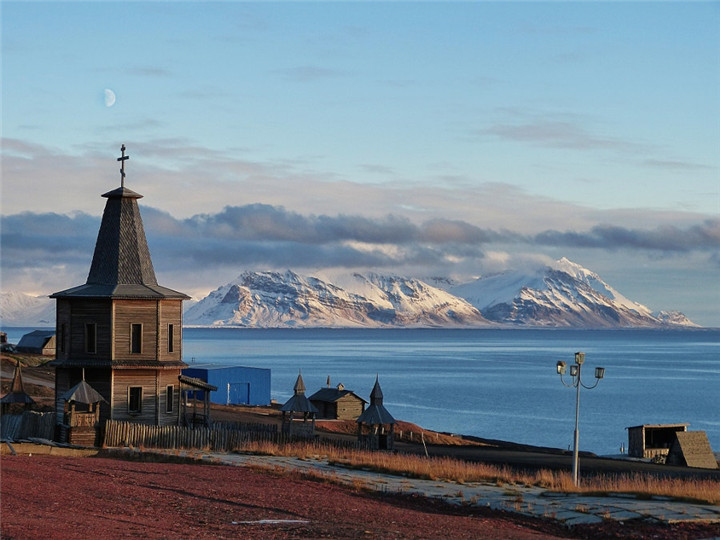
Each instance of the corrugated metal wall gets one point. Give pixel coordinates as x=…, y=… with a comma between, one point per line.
x=237, y=385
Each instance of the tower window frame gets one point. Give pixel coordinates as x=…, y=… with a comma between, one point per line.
x=171, y=338
x=136, y=338
x=134, y=399
x=169, y=398
x=91, y=338
x=62, y=337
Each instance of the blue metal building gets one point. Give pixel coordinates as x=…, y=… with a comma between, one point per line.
x=236, y=385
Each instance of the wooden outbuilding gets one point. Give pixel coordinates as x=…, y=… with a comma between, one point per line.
x=338, y=403
x=692, y=449
x=652, y=440
x=38, y=342
x=121, y=329
x=298, y=414
x=376, y=426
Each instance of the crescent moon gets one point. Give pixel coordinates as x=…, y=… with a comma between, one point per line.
x=109, y=98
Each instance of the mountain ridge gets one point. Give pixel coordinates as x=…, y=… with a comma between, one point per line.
x=563, y=295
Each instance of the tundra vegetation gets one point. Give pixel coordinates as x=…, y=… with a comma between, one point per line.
x=454, y=470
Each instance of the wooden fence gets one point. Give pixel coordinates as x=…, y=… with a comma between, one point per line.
x=221, y=437
x=29, y=424
x=218, y=437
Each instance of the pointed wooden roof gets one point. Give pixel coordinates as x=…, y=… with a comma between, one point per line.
x=82, y=392
x=17, y=392
x=331, y=395
x=376, y=413
x=121, y=265
x=692, y=449
x=299, y=402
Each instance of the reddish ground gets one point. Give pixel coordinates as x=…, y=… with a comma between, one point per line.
x=57, y=497
x=63, y=497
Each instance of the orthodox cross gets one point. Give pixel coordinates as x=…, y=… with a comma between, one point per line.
x=122, y=168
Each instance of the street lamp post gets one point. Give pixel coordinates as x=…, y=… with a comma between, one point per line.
x=576, y=383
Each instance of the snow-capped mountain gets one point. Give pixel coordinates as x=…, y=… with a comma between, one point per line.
x=272, y=299
x=19, y=309
x=564, y=295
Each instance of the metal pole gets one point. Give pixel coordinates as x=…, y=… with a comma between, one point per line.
x=576, y=480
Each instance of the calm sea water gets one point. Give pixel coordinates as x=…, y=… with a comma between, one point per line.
x=499, y=384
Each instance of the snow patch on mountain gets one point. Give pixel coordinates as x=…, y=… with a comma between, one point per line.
x=272, y=299
x=561, y=295
x=20, y=309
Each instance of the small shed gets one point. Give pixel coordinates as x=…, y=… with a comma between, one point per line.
x=376, y=426
x=692, y=449
x=652, y=440
x=38, y=342
x=338, y=403
x=236, y=385
x=298, y=404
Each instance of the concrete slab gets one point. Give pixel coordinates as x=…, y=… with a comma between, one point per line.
x=623, y=515
x=583, y=519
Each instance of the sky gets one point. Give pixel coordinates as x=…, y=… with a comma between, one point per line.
x=419, y=138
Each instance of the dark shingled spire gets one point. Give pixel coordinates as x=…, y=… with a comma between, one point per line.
x=299, y=402
x=121, y=251
x=376, y=396
x=17, y=392
x=376, y=413
x=121, y=265
x=299, y=387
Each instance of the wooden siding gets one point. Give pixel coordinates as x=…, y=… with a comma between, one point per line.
x=154, y=316
x=166, y=378
x=652, y=441
x=153, y=383
x=170, y=313
x=62, y=317
x=127, y=313
x=349, y=407
x=692, y=449
x=75, y=314
x=122, y=381
x=62, y=385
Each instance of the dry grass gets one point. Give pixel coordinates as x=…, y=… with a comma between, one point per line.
x=448, y=469
x=404, y=431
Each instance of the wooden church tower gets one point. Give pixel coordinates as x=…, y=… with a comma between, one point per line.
x=121, y=332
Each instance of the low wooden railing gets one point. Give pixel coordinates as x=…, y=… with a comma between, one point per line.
x=219, y=438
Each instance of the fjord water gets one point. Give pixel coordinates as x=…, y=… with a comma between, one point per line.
x=496, y=384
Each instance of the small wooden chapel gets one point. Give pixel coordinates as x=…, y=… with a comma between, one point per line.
x=121, y=332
